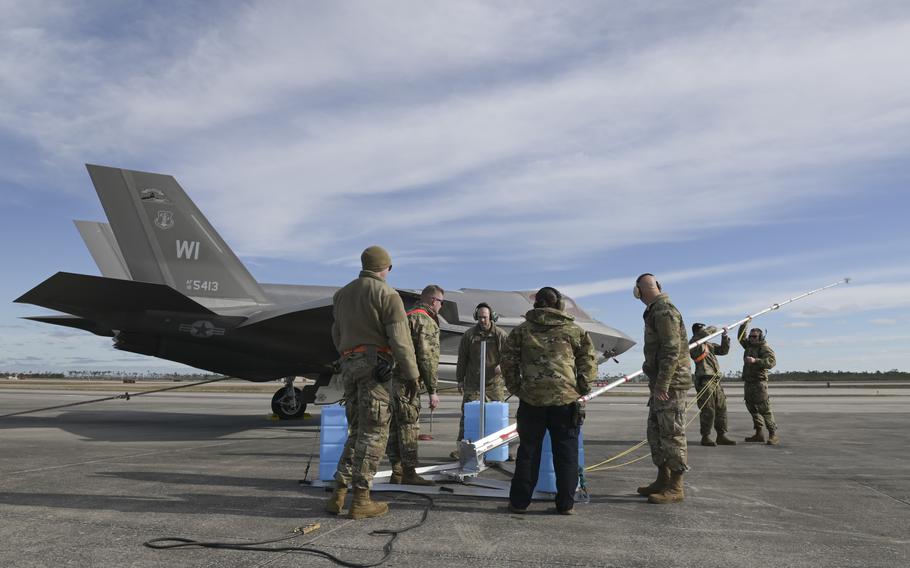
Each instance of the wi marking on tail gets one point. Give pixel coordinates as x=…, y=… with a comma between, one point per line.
x=188, y=250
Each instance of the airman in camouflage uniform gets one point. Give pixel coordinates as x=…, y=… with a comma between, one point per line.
x=370, y=328
x=712, y=403
x=548, y=362
x=402, y=447
x=467, y=373
x=758, y=359
x=667, y=367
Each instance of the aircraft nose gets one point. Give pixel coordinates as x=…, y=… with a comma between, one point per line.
x=607, y=339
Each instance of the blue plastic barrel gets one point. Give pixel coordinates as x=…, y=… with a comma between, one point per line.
x=496, y=417
x=546, y=480
x=333, y=433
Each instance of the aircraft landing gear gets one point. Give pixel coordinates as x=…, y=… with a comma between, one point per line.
x=288, y=401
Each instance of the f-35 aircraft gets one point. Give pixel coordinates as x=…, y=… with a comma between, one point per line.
x=172, y=288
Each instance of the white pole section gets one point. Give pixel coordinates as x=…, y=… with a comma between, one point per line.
x=509, y=433
x=483, y=386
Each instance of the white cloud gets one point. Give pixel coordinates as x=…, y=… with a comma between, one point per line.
x=581, y=290
x=883, y=321
x=840, y=301
x=799, y=324
x=573, y=141
x=453, y=131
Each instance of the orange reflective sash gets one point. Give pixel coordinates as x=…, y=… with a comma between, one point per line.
x=363, y=348
x=704, y=354
x=420, y=311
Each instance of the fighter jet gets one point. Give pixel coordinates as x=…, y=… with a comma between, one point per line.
x=172, y=288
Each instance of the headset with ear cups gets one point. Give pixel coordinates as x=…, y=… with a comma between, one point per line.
x=493, y=315
x=636, y=291
x=761, y=333
x=560, y=303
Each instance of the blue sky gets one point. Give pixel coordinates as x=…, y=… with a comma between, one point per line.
x=742, y=151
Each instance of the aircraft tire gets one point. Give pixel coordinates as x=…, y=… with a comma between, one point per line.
x=286, y=409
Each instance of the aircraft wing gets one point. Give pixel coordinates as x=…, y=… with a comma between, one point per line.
x=309, y=317
x=301, y=333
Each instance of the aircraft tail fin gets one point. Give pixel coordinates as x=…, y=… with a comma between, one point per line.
x=163, y=238
x=101, y=242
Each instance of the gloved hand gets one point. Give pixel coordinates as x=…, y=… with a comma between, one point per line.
x=410, y=389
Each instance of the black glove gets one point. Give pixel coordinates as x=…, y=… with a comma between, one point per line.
x=578, y=413
x=382, y=372
x=410, y=389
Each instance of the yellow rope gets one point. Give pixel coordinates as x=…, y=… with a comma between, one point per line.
x=619, y=465
x=710, y=385
x=744, y=327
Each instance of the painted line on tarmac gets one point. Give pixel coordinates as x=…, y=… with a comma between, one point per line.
x=136, y=455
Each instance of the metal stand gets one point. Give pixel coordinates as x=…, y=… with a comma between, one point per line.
x=483, y=385
x=463, y=476
x=461, y=482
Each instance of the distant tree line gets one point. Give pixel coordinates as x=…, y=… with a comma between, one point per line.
x=802, y=376
x=111, y=375
x=832, y=376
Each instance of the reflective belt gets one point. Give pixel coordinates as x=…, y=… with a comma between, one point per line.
x=363, y=349
x=704, y=354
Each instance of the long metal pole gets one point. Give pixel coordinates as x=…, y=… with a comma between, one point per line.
x=483, y=387
x=510, y=433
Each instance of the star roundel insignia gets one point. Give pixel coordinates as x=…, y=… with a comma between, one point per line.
x=202, y=328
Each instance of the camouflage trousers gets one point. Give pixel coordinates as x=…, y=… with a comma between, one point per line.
x=404, y=428
x=368, y=409
x=712, y=405
x=495, y=392
x=759, y=404
x=667, y=431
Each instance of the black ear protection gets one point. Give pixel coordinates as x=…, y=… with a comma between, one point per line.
x=762, y=333
x=493, y=315
x=636, y=291
x=696, y=327
x=560, y=303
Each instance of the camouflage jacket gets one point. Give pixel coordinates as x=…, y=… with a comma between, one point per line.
x=468, y=370
x=666, y=347
x=705, y=356
x=764, y=355
x=370, y=312
x=549, y=360
x=422, y=321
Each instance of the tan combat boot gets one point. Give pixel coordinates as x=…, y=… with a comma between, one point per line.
x=723, y=440
x=707, y=441
x=396, y=473
x=663, y=477
x=773, y=439
x=758, y=437
x=410, y=477
x=673, y=493
x=335, y=503
x=364, y=508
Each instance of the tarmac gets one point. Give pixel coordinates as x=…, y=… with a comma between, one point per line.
x=88, y=485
